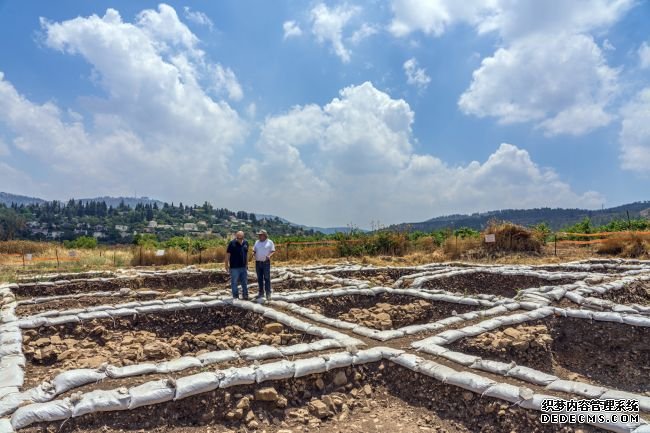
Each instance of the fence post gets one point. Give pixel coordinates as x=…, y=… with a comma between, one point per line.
x=23, y=259
x=56, y=251
x=114, y=262
x=199, y=257
x=556, y=244
x=288, y=243
x=140, y=255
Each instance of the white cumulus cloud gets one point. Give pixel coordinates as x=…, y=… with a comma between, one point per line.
x=548, y=69
x=198, y=17
x=353, y=159
x=634, y=137
x=415, y=75
x=644, y=55
x=524, y=82
x=291, y=29
x=156, y=123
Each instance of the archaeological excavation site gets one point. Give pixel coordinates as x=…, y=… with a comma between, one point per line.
x=446, y=347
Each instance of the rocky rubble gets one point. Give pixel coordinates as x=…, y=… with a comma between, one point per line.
x=528, y=345
x=95, y=345
x=385, y=316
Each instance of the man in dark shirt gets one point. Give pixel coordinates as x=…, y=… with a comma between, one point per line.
x=237, y=264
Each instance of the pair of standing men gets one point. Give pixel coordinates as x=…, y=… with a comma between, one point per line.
x=237, y=264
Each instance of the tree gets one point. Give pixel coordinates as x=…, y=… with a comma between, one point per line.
x=10, y=223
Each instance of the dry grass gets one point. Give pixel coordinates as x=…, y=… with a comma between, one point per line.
x=142, y=257
x=512, y=238
x=632, y=246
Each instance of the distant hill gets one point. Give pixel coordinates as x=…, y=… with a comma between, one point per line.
x=129, y=201
x=555, y=218
x=324, y=230
x=8, y=198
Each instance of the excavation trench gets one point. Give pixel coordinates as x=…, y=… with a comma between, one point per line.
x=175, y=281
x=149, y=338
x=610, y=354
x=385, y=311
x=505, y=285
x=371, y=398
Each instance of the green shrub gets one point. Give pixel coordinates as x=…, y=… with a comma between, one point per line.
x=82, y=242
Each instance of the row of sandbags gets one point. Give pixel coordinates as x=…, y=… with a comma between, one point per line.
x=12, y=360
x=435, y=345
x=165, y=390
x=182, y=304
x=500, y=270
x=75, y=378
x=493, y=308
x=589, y=296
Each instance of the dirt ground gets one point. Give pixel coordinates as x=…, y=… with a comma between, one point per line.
x=380, y=397
x=491, y=283
x=385, y=311
x=603, y=353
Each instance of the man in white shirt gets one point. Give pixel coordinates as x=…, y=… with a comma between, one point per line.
x=264, y=249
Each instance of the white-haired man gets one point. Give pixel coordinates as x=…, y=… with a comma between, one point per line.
x=264, y=249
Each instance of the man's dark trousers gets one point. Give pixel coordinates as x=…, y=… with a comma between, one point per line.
x=263, y=270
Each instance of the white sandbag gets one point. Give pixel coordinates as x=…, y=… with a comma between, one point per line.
x=644, y=401
x=407, y=360
x=5, y=426
x=275, y=371
x=260, y=352
x=42, y=393
x=504, y=391
x=535, y=403
x=325, y=344
x=433, y=369
x=11, y=375
x=196, y=384
x=643, y=428
x=102, y=401
x=366, y=332
x=154, y=392
x=92, y=316
x=6, y=390
x=531, y=375
x=416, y=329
x=576, y=388
x=470, y=381
x=75, y=378
x=367, y=356
x=606, y=316
x=10, y=349
x=337, y=360
x=451, y=335
x=471, y=331
x=217, y=357
x=130, y=370
x=616, y=427
x=490, y=366
x=8, y=337
x=636, y=320
x=389, y=352
x=178, y=364
x=295, y=349
x=149, y=309
x=460, y=358
x=580, y=314
x=235, y=376
x=390, y=335
x=307, y=366
x=41, y=412
x=122, y=312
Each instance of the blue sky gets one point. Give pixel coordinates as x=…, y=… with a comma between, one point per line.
x=329, y=113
